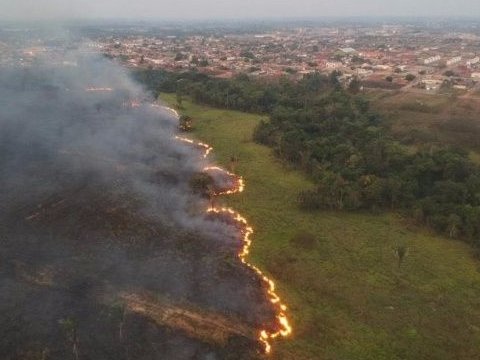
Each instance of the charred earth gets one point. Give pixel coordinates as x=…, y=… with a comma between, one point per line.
x=105, y=250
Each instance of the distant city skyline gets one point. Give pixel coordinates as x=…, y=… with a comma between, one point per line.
x=216, y=9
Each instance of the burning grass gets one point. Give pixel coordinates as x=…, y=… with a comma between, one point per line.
x=217, y=182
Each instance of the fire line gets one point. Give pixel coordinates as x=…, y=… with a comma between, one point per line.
x=265, y=336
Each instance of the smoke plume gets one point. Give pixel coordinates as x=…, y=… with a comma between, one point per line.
x=102, y=238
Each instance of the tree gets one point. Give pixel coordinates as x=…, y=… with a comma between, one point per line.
x=179, y=56
x=346, y=149
x=355, y=85
x=203, y=63
x=389, y=78
x=247, y=55
x=454, y=223
x=400, y=252
x=373, y=189
x=394, y=190
x=358, y=60
x=446, y=86
x=334, y=75
x=410, y=77
x=180, y=89
x=194, y=60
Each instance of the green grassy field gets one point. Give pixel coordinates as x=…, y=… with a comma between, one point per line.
x=347, y=296
x=420, y=118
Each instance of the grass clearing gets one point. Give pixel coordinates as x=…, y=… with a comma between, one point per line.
x=347, y=296
x=422, y=118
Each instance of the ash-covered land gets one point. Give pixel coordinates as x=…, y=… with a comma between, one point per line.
x=105, y=250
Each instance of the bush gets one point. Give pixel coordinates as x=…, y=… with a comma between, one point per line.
x=185, y=123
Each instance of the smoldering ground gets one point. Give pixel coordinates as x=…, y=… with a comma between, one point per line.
x=102, y=239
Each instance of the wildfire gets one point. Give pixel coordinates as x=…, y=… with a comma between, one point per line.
x=207, y=148
x=282, y=319
x=285, y=328
x=99, y=89
x=240, y=186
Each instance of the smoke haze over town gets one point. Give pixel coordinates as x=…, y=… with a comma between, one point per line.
x=214, y=9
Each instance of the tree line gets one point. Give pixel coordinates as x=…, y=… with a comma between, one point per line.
x=332, y=134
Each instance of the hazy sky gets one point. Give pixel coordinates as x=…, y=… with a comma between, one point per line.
x=159, y=9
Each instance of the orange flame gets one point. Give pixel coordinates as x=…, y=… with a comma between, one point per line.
x=274, y=298
x=285, y=328
x=240, y=186
x=207, y=148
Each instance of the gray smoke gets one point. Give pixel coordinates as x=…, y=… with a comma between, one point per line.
x=95, y=201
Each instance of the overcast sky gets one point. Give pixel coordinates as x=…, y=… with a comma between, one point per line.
x=194, y=9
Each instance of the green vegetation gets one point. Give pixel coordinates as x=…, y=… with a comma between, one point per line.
x=357, y=165
x=347, y=150
x=239, y=93
x=358, y=286
x=424, y=120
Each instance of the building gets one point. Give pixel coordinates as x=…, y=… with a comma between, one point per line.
x=431, y=84
x=432, y=59
x=454, y=60
x=333, y=65
x=348, y=51
x=473, y=61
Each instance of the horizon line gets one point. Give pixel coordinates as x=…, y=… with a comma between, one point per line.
x=274, y=18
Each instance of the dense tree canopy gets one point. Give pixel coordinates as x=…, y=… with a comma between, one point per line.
x=333, y=135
